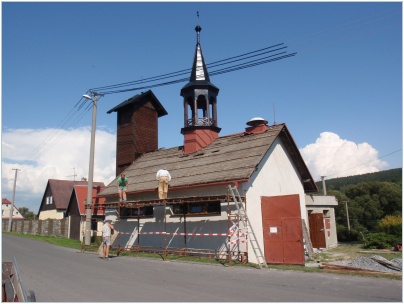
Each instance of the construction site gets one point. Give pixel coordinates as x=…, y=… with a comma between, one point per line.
x=237, y=237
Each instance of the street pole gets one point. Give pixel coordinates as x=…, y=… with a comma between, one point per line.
x=347, y=216
x=87, y=236
x=12, y=202
x=324, y=189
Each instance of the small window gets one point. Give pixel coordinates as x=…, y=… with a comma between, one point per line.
x=94, y=225
x=196, y=208
x=211, y=208
x=146, y=211
x=178, y=209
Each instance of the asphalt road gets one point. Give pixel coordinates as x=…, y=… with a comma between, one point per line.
x=59, y=274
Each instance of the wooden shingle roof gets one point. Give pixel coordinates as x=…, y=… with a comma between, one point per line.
x=226, y=159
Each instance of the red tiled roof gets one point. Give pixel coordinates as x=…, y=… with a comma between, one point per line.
x=5, y=201
x=81, y=196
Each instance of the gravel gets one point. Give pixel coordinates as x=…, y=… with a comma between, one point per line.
x=370, y=264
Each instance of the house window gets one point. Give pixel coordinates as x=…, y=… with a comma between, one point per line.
x=49, y=200
x=94, y=225
x=197, y=209
x=146, y=211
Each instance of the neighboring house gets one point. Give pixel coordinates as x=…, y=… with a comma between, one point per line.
x=56, y=198
x=5, y=211
x=76, y=211
x=262, y=161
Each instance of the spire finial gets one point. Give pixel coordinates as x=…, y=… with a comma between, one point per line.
x=198, y=29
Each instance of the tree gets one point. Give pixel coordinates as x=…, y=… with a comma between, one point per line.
x=368, y=203
x=26, y=213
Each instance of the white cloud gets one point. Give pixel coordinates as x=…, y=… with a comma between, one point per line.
x=332, y=156
x=52, y=154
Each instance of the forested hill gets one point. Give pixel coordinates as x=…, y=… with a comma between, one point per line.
x=392, y=176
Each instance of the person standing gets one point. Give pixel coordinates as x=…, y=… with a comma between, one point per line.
x=122, y=187
x=106, y=237
x=163, y=176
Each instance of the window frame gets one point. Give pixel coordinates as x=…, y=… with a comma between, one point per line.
x=206, y=211
x=147, y=212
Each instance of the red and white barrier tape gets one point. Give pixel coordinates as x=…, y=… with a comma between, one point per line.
x=172, y=233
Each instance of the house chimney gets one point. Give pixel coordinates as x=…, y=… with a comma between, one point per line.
x=256, y=125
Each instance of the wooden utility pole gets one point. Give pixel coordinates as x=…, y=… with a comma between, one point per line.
x=324, y=189
x=10, y=220
x=347, y=216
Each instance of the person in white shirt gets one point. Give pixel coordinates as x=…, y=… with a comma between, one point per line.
x=106, y=237
x=163, y=176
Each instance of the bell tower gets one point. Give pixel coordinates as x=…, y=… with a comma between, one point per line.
x=200, y=105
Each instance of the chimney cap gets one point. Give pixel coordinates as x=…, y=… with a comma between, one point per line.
x=257, y=121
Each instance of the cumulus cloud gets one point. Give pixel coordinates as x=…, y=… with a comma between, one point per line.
x=333, y=157
x=52, y=154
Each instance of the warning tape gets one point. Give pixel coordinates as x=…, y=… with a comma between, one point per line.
x=238, y=242
x=173, y=233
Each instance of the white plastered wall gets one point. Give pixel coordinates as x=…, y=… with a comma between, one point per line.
x=276, y=176
x=51, y=214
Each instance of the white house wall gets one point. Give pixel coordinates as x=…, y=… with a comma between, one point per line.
x=276, y=176
x=5, y=212
x=51, y=214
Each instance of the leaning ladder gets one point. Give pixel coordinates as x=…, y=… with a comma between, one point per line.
x=250, y=232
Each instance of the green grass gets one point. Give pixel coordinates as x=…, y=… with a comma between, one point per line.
x=64, y=242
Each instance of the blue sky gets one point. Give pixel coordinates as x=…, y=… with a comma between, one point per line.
x=340, y=96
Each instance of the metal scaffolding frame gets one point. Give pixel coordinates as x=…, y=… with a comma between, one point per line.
x=232, y=253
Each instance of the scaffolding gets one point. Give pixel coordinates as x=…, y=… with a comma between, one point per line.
x=234, y=238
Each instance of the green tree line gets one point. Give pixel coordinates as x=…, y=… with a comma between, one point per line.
x=374, y=205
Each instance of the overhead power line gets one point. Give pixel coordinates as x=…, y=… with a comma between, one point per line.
x=83, y=106
x=353, y=30
x=266, y=59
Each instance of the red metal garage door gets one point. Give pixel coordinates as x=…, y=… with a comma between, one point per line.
x=282, y=225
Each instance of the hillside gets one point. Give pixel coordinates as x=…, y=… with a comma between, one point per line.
x=392, y=176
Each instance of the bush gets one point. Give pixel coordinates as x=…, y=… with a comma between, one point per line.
x=381, y=240
x=391, y=224
x=344, y=235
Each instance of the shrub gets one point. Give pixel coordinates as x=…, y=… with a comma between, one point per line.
x=344, y=235
x=381, y=240
x=391, y=224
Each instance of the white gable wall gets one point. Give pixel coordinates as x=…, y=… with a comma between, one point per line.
x=276, y=176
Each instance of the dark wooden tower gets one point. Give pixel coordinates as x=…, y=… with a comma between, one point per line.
x=200, y=112
x=137, y=128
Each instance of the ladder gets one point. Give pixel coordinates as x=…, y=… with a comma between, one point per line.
x=306, y=239
x=250, y=232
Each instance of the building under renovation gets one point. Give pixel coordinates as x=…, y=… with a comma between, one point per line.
x=246, y=196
